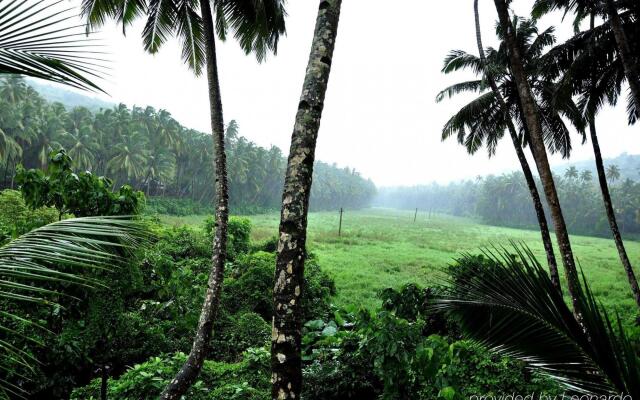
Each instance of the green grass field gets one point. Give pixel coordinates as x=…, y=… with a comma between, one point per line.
x=382, y=248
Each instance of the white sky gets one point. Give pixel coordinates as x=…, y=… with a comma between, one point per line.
x=380, y=115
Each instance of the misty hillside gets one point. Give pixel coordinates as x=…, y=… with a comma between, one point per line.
x=67, y=97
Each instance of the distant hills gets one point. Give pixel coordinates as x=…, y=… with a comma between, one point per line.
x=68, y=98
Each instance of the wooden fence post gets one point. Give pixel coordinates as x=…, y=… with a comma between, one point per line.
x=340, y=225
x=415, y=215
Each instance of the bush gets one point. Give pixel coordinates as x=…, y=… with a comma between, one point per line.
x=382, y=355
x=246, y=380
x=17, y=219
x=238, y=235
x=178, y=207
x=233, y=334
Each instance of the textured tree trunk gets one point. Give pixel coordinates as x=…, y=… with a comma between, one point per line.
x=191, y=369
x=286, y=360
x=532, y=119
x=611, y=216
x=629, y=62
x=524, y=164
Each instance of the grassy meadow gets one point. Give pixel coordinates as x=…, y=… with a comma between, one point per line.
x=382, y=248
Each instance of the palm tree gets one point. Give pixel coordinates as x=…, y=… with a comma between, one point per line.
x=506, y=301
x=33, y=259
x=515, y=139
x=596, y=75
x=40, y=41
x=571, y=173
x=257, y=26
x=531, y=117
x=615, y=25
x=613, y=173
x=130, y=158
x=286, y=358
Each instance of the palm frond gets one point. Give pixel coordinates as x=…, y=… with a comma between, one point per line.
x=42, y=40
x=190, y=30
x=469, y=86
x=159, y=26
x=49, y=255
x=511, y=306
x=459, y=59
x=256, y=24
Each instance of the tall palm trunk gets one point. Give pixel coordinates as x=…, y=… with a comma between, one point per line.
x=532, y=119
x=611, y=216
x=606, y=196
x=191, y=368
x=286, y=360
x=524, y=164
x=629, y=62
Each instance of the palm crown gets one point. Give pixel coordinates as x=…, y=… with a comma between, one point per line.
x=257, y=25
x=482, y=121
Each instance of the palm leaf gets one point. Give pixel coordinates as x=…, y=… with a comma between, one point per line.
x=512, y=307
x=37, y=257
x=40, y=39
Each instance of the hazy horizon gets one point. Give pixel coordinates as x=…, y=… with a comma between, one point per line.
x=380, y=115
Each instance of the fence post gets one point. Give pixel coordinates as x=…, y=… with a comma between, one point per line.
x=415, y=215
x=340, y=225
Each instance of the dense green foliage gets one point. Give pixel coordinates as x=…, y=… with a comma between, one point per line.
x=505, y=200
x=362, y=355
x=395, y=354
x=150, y=307
x=154, y=153
x=17, y=219
x=79, y=193
x=506, y=300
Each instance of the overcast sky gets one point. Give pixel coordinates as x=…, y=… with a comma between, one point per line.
x=380, y=115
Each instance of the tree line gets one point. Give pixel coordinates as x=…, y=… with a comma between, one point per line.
x=151, y=151
x=504, y=200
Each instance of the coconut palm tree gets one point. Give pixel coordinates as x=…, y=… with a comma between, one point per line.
x=34, y=258
x=40, y=40
x=592, y=69
x=504, y=109
x=506, y=301
x=286, y=358
x=257, y=25
x=535, y=130
x=621, y=21
x=613, y=173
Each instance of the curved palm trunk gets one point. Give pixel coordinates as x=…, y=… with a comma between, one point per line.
x=532, y=119
x=191, y=368
x=524, y=164
x=286, y=360
x=629, y=63
x=611, y=216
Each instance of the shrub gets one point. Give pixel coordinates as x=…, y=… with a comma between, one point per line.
x=17, y=219
x=79, y=193
x=248, y=379
x=233, y=334
x=238, y=235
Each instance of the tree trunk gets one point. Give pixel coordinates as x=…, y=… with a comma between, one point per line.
x=104, y=382
x=629, y=63
x=286, y=360
x=611, y=216
x=524, y=164
x=532, y=120
x=191, y=369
